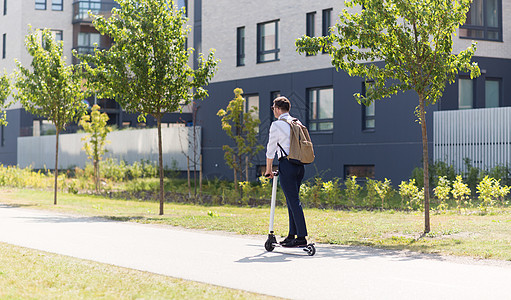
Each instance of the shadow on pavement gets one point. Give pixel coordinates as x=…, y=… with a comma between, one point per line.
x=15, y=205
x=335, y=251
x=64, y=219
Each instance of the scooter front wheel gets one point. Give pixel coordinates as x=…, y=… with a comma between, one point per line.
x=269, y=245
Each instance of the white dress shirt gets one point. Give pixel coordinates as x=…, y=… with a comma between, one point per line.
x=280, y=132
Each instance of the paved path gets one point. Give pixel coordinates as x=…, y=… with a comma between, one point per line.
x=240, y=262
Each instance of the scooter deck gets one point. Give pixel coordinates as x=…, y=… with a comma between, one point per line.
x=302, y=246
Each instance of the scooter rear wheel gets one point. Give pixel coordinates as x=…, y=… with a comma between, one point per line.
x=310, y=249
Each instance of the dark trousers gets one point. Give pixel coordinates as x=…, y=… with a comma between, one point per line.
x=290, y=176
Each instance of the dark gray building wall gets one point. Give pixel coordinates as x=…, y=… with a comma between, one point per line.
x=394, y=148
x=8, y=139
x=490, y=68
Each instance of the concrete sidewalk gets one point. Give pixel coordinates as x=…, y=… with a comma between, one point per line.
x=240, y=262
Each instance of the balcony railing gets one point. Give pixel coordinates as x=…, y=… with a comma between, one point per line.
x=482, y=135
x=86, y=49
x=81, y=9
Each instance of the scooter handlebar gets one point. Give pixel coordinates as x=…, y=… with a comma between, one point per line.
x=275, y=173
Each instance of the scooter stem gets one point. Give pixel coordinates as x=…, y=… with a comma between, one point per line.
x=273, y=200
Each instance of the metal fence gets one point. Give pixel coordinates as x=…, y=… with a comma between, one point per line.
x=481, y=135
x=127, y=145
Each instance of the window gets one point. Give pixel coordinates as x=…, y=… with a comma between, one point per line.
x=369, y=122
x=361, y=171
x=321, y=109
x=40, y=4
x=240, y=46
x=310, y=30
x=267, y=41
x=492, y=93
x=273, y=95
x=327, y=22
x=85, y=5
x=466, y=93
x=484, y=21
x=181, y=4
x=250, y=102
x=4, y=46
x=57, y=35
x=310, y=19
x=57, y=5
x=368, y=112
x=86, y=42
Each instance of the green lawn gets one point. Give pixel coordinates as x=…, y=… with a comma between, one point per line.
x=469, y=234
x=31, y=274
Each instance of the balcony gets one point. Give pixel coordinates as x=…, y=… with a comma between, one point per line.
x=81, y=9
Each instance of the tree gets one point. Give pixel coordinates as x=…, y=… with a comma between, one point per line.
x=415, y=41
x=50, y=88
x=95, y=125
x=146, y=69
x=242, y=128
x=5, y=91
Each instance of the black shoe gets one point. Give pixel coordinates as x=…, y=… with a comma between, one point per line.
x=299, y=242
x=288, y=239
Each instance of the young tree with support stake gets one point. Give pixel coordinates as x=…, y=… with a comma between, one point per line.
x=95, y=125
x=146, y=69
x=242, y=128
x=50, y=88
x=415, y=41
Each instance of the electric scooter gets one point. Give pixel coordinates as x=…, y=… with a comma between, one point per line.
x=271, y=242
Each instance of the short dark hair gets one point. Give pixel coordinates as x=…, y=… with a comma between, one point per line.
x=282, y=103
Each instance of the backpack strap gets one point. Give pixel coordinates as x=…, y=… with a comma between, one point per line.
x=282, y=151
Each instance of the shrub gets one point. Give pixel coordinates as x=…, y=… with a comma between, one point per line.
x=408, y=191
x=372, y=194
x=472, y=174
x=384, y=190
x=442, y=192
x=352, y=189
x=488, y=190
x=246, y=190
x=316, y=192
x=501, y=172
x=442, y=169
x=460, y=192
x=502, y=193
x=305, y=193
x=113, y=170
x=266, y=186
x=332, y=192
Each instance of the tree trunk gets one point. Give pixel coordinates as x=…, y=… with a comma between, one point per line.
x=188, y=174
x=425, y=158
x=160, y=159
x=246, y=168
x=194, y=161
x=235, y=179
x=56, y=165
x=200, y=177
x=235, y=168
x=96, y=175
